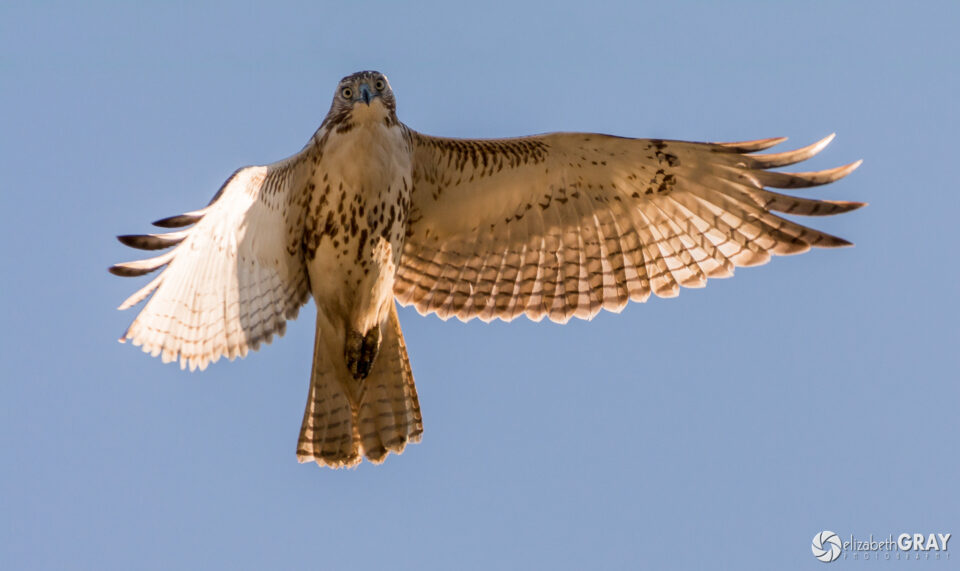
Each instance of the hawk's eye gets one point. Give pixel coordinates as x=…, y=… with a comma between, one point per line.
x=346, y=93
x=379, y=85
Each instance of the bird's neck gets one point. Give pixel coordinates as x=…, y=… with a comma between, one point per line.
x=360, y=116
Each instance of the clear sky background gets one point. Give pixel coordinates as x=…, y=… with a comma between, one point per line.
x=723, y=428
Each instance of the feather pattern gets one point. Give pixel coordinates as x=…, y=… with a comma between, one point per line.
x=232, y=280
x=553, y=226
x=566, y=224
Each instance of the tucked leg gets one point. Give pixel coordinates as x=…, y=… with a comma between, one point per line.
x=361, y=351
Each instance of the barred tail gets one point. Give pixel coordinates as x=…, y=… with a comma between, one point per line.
x=347, y=419
x=389, y=414
x=328, y=434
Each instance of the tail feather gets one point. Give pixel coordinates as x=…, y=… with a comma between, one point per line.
x=328, y=434
x=346, y=419
x=389, y=414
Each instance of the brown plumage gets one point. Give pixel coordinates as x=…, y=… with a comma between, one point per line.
x=558, y=226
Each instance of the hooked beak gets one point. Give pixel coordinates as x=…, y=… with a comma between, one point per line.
x=365, y=93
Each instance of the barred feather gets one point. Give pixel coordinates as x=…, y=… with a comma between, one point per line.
x=230, y=282
x=566, y=224
x=554, y=226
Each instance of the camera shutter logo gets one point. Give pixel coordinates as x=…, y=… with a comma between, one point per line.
x=826, y=546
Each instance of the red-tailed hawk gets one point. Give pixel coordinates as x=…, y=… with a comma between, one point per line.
x=559, y=225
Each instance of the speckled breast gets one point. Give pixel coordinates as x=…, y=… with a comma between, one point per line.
x=355, y=223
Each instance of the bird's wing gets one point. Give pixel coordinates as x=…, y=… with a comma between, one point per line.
x=234, y=278
x=564, y=224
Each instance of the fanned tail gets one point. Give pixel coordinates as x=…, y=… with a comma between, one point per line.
x=348, y=419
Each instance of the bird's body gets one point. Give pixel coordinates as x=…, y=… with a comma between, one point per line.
x=559, y=226
x=355, y=220
x=357, y=197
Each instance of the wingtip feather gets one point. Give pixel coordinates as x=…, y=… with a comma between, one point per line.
x=179, y=220
x=152, y=241
x=790, y=157
x=752, y=146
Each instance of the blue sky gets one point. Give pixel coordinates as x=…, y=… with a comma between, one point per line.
x=723, y=428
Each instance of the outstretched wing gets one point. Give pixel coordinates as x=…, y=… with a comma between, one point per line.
x=566, y=224
x=234, y=278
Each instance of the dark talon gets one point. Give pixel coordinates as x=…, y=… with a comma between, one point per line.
x=361, y=351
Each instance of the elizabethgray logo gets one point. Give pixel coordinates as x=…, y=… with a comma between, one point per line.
x=826, y=546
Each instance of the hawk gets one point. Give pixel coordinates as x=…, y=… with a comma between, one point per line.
x=371, y=212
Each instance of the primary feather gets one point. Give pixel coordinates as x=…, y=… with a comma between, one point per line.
x=592, y=220
x=552, y=226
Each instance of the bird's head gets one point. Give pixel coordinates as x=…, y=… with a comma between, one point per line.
x=362, y=97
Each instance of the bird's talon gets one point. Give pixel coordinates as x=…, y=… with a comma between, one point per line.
x=361, y=351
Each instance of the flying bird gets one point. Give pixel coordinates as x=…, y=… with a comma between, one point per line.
x=371, y=212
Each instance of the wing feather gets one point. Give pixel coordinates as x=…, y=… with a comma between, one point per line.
x=637, y=285
x=232, y=280
x=789, y=157
x=566, y=224
x=752, y=146
x=710, y=259
x=615, y=294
